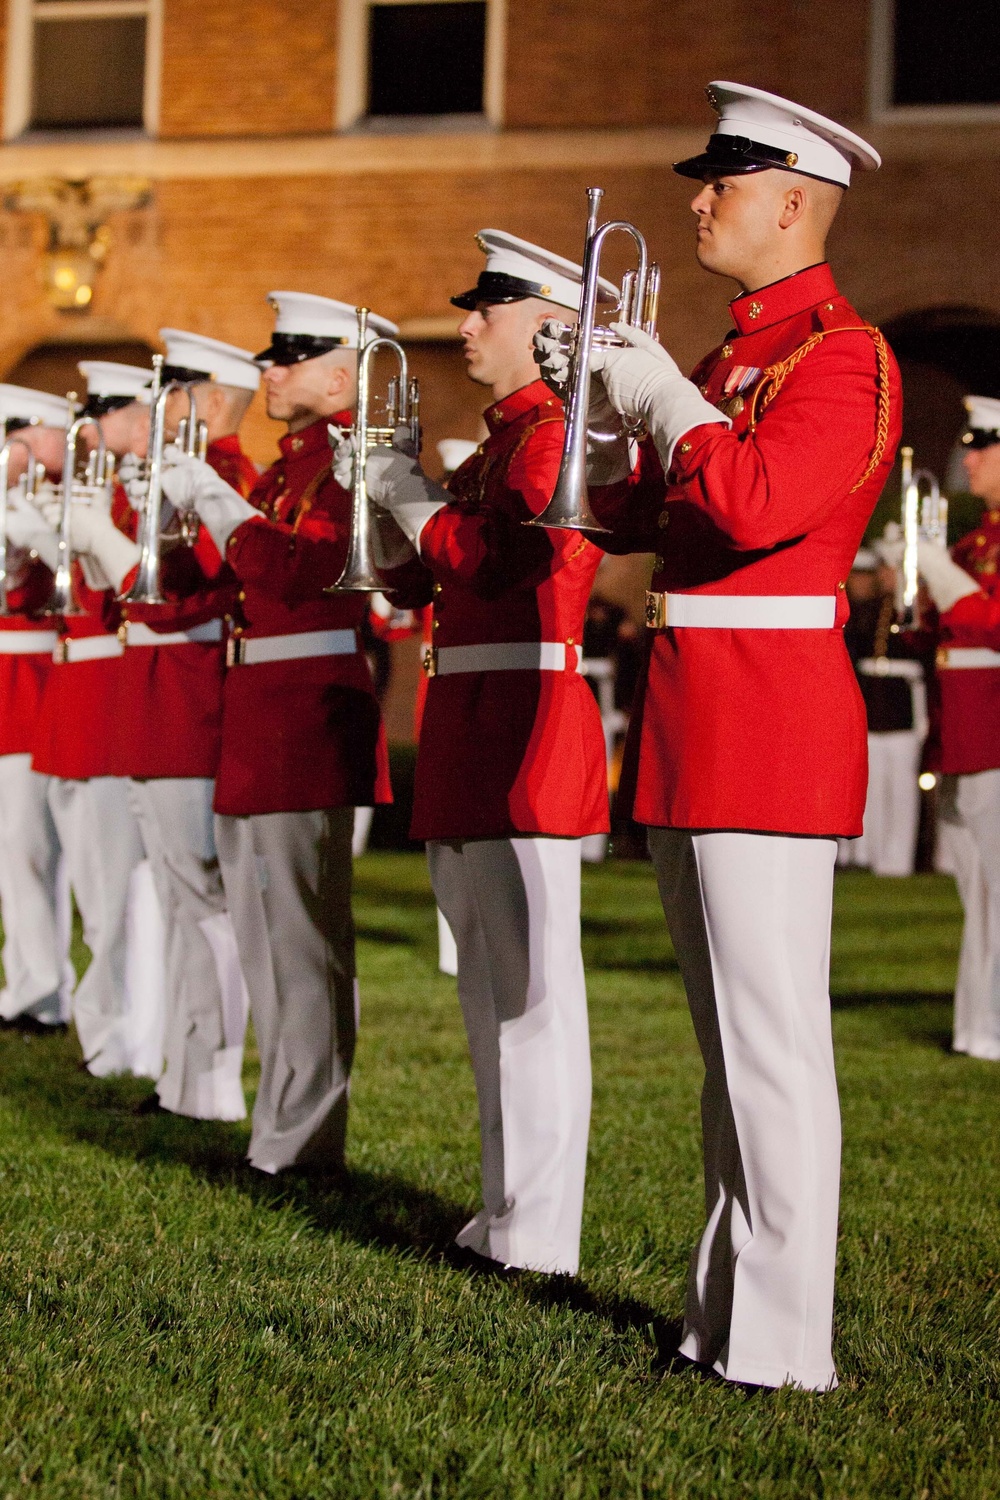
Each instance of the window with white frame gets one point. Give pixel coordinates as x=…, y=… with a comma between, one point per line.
x=82, y=65
x=935, y=61
x=413, y=63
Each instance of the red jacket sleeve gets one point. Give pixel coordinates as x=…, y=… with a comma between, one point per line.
x=295, y=563
x=488, y=547
x=785, y=478
x=974, y=621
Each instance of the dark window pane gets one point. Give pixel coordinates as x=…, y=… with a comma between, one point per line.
x=89, y=72
x=426, y=59
x=947, y=53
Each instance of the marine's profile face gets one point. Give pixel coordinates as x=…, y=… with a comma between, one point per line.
x=738, y=218
x=982, y=466
x=313, y=388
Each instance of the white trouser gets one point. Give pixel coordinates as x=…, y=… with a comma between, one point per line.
x=888, y=845
x=206, y=999
x=103, y=851
x=514, y=908
x=34, y=893
x=970, y=833
x=750, y=916
x=287, y=879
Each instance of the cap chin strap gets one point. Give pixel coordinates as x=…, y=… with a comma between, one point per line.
x=980, y=437
x=293, y=348
x=498, y=286
x=183, y=375
x=100, y=406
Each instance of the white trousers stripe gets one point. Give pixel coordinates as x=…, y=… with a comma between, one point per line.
x=514, y=908
x=750, y=915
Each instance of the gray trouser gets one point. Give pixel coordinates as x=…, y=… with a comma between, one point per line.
x=970, y=828
x=35, y=895
x=749, y=915
x=206, y=1006
x=101, y=842
x=514, y=908
x=287, y=878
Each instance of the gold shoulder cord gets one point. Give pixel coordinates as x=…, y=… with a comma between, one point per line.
x=775, y=375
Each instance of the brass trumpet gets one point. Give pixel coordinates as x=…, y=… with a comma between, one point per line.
x=402, y=409
x=192, y=439
x=98, y=472
x=33, y=474
x=924, y=518
x=569, y=509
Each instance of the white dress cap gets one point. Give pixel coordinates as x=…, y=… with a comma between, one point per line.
x=19, y=404
x=120, y=384
x=191, y=356
x=984, y=421
x=307, y=326
x=516, y=269
x=757, y=130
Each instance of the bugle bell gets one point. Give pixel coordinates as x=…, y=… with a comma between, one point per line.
x=569, y=509
x=924, y=518
x=402, y=409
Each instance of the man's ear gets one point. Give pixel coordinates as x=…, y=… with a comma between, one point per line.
x=339, y=381
x=793, y=207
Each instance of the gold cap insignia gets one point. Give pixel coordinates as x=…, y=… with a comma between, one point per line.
x=791, y=158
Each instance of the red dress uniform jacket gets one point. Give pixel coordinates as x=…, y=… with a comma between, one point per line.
x=305, y=734
x=23, y=677
x=170, y=707
x=77, y=734
x=510, y=752
x=761, y=729
x=970, y=696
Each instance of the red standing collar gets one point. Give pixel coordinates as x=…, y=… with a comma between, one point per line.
x=783, y=299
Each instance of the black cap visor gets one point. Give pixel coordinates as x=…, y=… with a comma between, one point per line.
x=979, y=437
x=732, y=155
x=183, y=375
x=293, y=348
x=99, y=406
x=496, y=286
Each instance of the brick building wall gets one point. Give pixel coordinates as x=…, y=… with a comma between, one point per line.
x=251, y=191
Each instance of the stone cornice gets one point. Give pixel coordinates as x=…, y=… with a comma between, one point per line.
x=474, y=151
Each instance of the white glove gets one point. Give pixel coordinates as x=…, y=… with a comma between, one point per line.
x=644, y=384
x=343, y=456
x=890, y=548
x=191, y=484
x=106, y=555
x=133, y=476
x=946, y=581
x=610, y=452
x=398, y=484
x=29, y=530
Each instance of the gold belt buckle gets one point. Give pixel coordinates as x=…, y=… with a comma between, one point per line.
x=236, y=651
x=61, y=653
x=656, y=610
x=430, y=661
x=123, y=632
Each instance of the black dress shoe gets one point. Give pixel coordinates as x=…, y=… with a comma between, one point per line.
x=27, y=1025
x=149, y=1106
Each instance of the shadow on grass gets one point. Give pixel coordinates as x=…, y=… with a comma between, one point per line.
x=859, y=999
x=42, y=1078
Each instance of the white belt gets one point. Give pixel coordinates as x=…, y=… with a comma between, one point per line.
x=967, y=656
x=87, y=648
x=886, y=666
x=135, y=633
x=251, y=651
x=741, y=611
x=27, y=642
x=511, y=656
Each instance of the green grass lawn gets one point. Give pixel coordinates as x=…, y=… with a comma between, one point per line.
x=173, y=1326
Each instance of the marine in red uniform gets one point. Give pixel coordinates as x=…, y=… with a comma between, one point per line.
x=747, y=741
x=169, y=732
x=38, y=976
x=966, y=590
x=76, y=746
x=302, y=739
x=511, y=770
